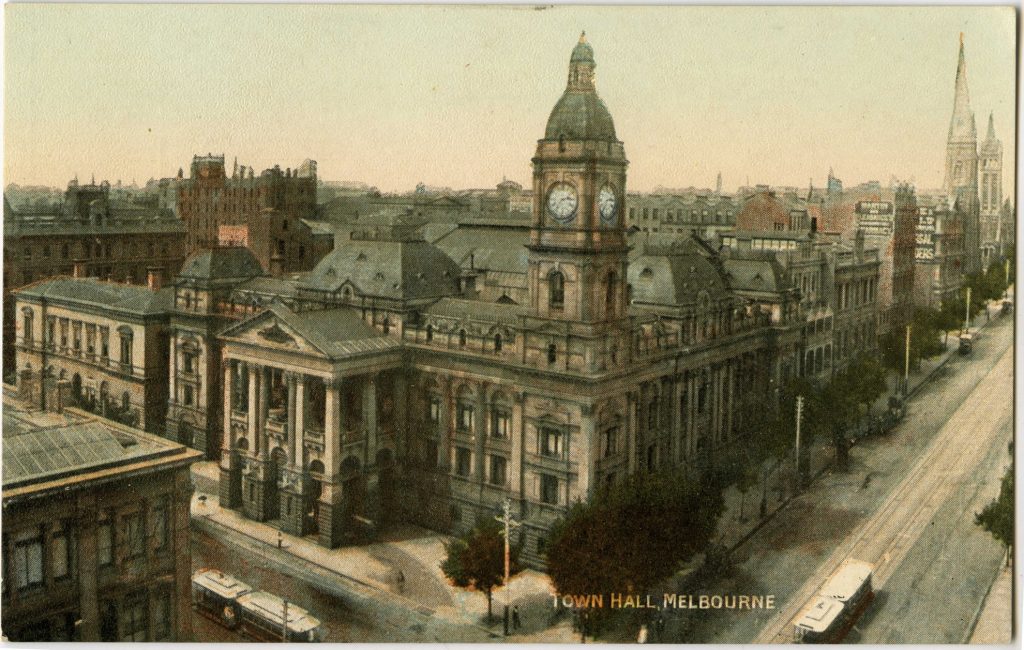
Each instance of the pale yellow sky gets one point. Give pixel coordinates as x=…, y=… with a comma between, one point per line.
x=457, y=96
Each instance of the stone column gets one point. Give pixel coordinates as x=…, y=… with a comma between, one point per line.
x=676, y=409
x=631, y=424
x=228, y=439
x=253, y=410
x=730, y=405
x=370, y=421
x=331, y=511
x=581, y=451
x=480, y=432
x=291, y=380
x=299, y=439
x=518, y=436
x=261, y=431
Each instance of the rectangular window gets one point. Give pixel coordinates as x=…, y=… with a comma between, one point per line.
x=60, y=559
x=500, y=424
x=548, y=489
x=611, y=436
x=105, y=541
x=550, y=443
x=63, y=333
x=161, y=527
x=188, y=395
x=28, y=559
x=104, y=342
x=435, y=410
x=126, y=349
x=90, y=339
x=498, y=470
x=463, y=459
x=465, y=421
x=76, y=336
x=134, y=535
x=134, y=617
x=162, y=617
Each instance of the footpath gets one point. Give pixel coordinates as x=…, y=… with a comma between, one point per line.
x=424, y=606
x=994, y=625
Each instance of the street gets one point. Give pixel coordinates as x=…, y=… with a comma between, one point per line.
x=907, y=504
x=340, y=624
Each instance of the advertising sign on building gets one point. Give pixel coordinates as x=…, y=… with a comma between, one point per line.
x=230, y=235
x=875, y=217
x=925, y=235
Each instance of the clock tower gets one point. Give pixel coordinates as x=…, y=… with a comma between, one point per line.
x=578, y=250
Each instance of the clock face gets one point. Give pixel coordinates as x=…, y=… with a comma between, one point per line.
x=562, y=203
x=607, y=205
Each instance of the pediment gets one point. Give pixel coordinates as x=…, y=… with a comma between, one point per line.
x=272, y=331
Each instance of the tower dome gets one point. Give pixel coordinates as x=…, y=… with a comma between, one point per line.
x=580, y=114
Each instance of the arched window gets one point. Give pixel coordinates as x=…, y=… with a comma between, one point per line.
x=556, y=289
x=497, y=342
x=552, y=353
x=430, y=333
x=462, y=338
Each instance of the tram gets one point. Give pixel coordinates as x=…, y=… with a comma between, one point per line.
x=840, y=602
x=256, y=614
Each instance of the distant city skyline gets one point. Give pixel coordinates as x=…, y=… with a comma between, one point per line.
x=457, y=96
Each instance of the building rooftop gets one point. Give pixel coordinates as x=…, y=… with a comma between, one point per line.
x=131, y=298
x=47, y=452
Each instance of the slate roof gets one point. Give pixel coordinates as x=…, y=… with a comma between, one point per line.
x=477, y=310
x=221, y=263
x=129, y=298
x=402, y=270
x=676, y=277
x=763, y=274
x=492, y=249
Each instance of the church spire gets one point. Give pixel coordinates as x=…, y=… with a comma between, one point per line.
x=962, y=127
x=991, y=135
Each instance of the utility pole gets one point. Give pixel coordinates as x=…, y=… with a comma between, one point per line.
x=506, y=519
x=967, y=313
x=906, y=364
x=799, y=413
x=284, y=622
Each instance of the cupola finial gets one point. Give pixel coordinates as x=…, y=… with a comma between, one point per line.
x=583, y=36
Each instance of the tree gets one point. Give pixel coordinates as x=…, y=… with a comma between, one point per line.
x=633, y=535
x=477, y=559
x=997, y=516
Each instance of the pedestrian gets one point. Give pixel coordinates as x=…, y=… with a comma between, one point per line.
x=401, y=581
x=516, y=622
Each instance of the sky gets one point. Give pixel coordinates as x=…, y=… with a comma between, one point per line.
x=458, y=96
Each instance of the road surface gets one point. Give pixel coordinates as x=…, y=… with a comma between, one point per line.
x=906, y=502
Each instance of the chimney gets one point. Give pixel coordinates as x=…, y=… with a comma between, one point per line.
x=78, y=270
x=154, y=275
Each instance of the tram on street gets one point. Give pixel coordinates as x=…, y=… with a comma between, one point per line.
x=829, y=616
x=258, y=615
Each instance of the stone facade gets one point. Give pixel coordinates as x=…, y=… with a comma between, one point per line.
x=94, y=344
x=102, y=555
x=90, y=235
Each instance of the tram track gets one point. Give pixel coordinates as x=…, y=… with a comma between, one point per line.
x=958, y=447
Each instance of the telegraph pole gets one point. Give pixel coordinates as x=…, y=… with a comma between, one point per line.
x=799, y=413
x=506, y=519
x=906, y=364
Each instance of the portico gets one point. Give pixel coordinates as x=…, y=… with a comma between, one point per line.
x=306, y=447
